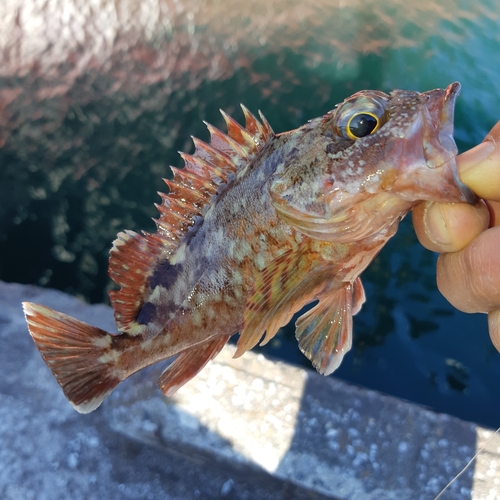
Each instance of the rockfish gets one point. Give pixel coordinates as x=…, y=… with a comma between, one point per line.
x=254, y=227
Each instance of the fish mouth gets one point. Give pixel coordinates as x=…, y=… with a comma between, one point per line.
x=446, y=116
x=438, y=116
x=448, y=107
x=431, y=173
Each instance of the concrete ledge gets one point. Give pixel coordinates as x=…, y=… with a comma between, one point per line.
x=323, y=434
x=246, y=428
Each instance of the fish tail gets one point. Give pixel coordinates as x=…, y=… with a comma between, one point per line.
x=84, y=359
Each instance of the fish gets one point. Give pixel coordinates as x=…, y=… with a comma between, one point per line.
x=255, y=226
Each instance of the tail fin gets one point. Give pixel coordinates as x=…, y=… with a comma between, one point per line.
x=82, y=358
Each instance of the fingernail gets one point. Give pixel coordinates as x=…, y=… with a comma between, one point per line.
x=475, y=155
x=494, y=134
x=452, y=226
x=435, y=225
x=479, y=169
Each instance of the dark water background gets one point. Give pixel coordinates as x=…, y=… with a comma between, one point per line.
x=89, y=125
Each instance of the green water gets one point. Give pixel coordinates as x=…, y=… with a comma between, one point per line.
x=78, y=167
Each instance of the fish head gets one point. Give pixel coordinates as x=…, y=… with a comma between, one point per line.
x=368, y=162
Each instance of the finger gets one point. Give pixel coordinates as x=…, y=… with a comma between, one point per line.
x=494, y=328
x=480, y=166
x=470, y=278
x=494, y=208
x=449, y=227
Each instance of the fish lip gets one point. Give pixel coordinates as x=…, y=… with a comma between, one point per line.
x=453, y=90
x=443, y=109
x=451, y=93
x=447, y=119
x=447, y=113
x=438, y=114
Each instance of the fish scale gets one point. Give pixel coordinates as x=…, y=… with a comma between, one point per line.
x=254, y=227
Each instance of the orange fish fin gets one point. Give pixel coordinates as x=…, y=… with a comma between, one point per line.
x=240, y=134
x=358, y=296
x=325, y=332
x=262, y=132
x=81, y=357
x=189, y=363
x=134, y=257
x=129, y=266
x=268, y=131
x=279, y=291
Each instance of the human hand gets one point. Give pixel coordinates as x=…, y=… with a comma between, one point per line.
x=468, y=237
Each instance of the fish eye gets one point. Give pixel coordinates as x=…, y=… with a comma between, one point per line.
x=361, y=115
x=361, y=125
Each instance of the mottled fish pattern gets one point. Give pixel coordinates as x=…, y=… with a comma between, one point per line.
x=254, y=227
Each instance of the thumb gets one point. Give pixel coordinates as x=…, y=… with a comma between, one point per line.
x=494, y=328
x=470, y=278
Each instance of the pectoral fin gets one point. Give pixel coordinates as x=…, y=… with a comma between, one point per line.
x=325, y=332
x=358, y=296
x=279, y=291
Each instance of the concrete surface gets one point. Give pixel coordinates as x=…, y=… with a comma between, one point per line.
x=250, y=428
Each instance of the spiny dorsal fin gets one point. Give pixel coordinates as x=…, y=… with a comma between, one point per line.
x=134, y=257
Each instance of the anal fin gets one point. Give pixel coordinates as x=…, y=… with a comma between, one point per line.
x=189, y=363
x=325, y=332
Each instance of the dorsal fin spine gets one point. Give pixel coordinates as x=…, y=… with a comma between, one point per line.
x=134, y=257
x=180, y=207
x=212, y=155
x=199, y=165
x=176, y=205
x=238, y=133
x=166, y=223
x=172, y=216
x=253, y=125
x=193, y=181
x=268, y=131
x=224, y=143
x=185, y=194
x=164, y=230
